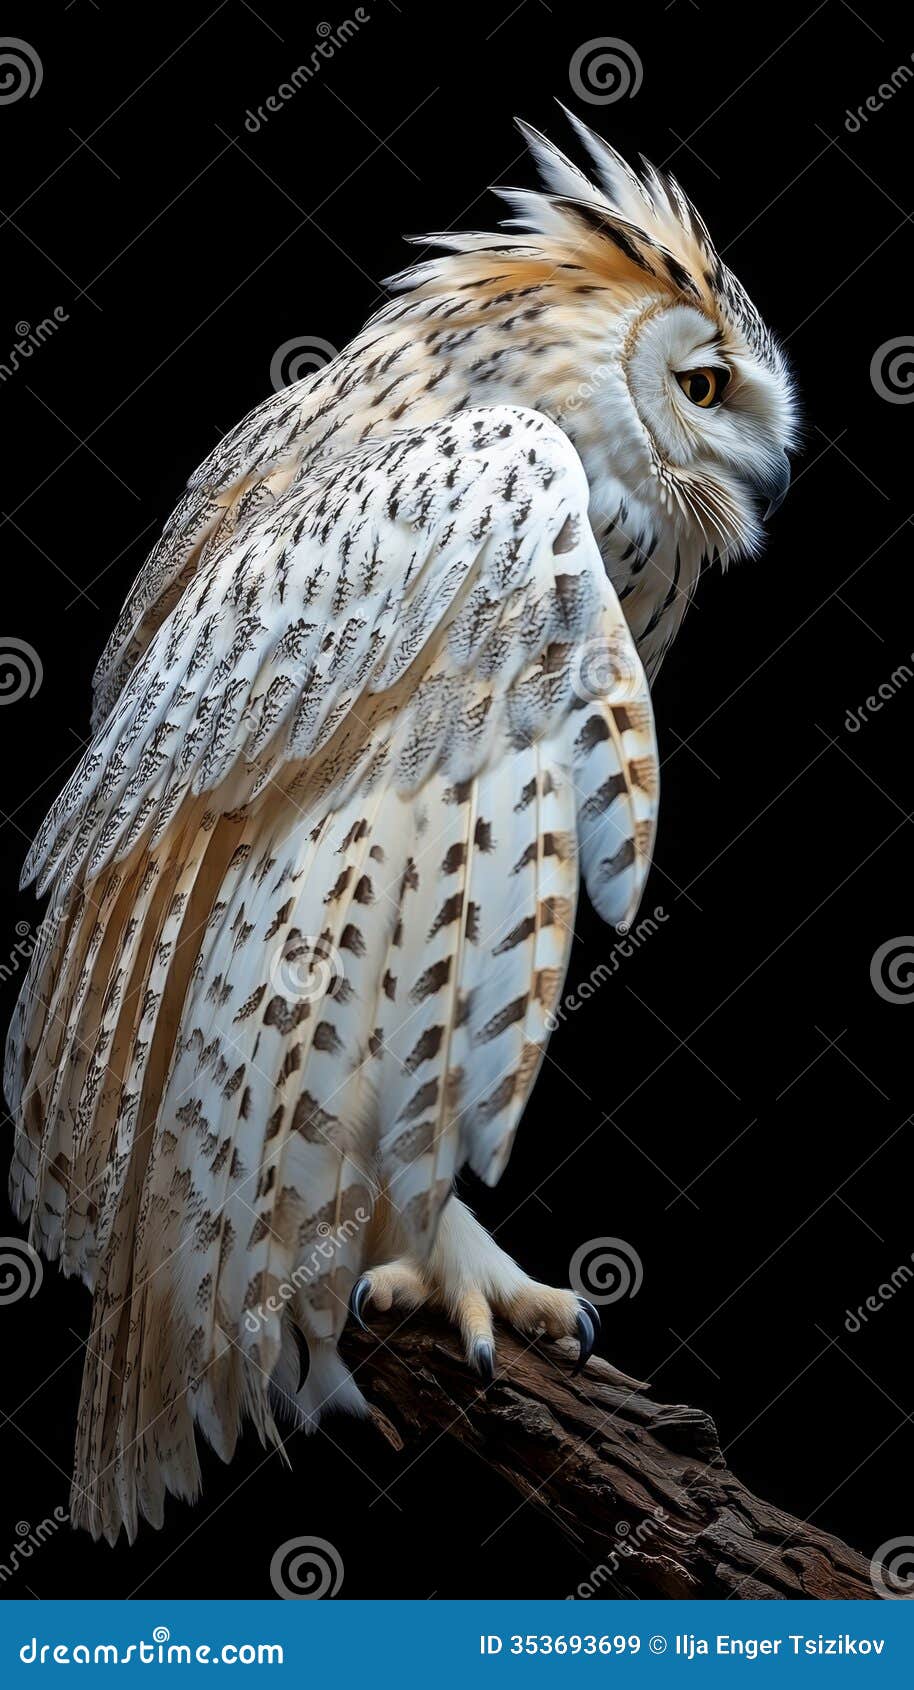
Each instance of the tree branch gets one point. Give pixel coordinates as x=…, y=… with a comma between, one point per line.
x=639, y=1487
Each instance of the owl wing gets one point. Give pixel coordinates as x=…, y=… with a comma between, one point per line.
x=313, y=888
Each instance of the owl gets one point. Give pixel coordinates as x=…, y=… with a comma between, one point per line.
x=375, y=705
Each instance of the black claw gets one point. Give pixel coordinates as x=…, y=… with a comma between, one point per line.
x=586, y=1336
x=595, y=1318
x=357, y=1297
x=484, y=1360
x=304, y=1357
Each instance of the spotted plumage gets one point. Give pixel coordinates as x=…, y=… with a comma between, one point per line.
x=375, y=703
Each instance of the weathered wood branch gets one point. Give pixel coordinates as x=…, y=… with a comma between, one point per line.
x=640, y=1488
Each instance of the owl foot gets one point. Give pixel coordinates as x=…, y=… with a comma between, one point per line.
x=473, y=1280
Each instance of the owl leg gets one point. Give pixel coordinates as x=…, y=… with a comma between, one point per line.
x=473, y=1279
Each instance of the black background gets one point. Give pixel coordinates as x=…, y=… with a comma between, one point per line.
x=734, y=1103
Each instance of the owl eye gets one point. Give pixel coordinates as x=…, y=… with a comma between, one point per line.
x=704, y=387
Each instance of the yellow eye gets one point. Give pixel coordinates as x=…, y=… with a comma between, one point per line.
x=704, y=387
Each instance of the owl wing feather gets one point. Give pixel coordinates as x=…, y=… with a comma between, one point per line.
x=313, y=890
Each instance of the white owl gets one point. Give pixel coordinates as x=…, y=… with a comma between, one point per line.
x=374, y=705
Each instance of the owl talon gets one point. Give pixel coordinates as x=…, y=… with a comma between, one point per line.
x=483, y=1359
x=357, y=1296
x=304, y=1357
x=586, y=1334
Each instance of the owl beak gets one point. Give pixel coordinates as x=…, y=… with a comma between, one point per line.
x=776, y=485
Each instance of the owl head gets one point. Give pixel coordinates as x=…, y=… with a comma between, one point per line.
x=692, y=394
